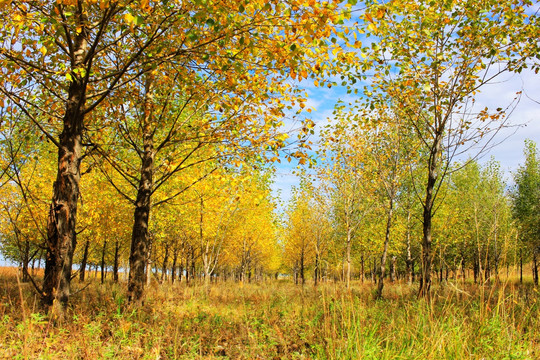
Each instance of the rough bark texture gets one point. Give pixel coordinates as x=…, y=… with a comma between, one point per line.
x=140, y=239
x=62, y=219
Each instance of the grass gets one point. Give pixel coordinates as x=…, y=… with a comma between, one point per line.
x=275, y=320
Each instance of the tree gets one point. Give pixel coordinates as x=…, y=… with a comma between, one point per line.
x=526, y=202
x=60, y=61
x=430, y=60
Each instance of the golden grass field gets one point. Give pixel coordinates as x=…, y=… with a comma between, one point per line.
x=275, y=320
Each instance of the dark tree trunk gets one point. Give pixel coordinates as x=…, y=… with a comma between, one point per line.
x=140, y=238
x=192, y=263
x=103, y=252
x=433, y=166
x=302, y=277
x=116, y=261
x=317, y=271
x=62, y=218
x=84, y=261
x=535, y=268
x=173, y=267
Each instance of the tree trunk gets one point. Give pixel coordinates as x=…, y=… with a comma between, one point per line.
x=116, y=261
x=84, y=261
x=103, y=251
x=62, y=218
x=535, y=268
x=302, y=277
x=433, y=166
x=317, y=271
x=165, y=263
x=140, y=239
x=385, y=251
x=408, y=261
x=349, y=239
x=173, y=267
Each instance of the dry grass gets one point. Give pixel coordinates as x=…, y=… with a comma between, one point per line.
x=275, y=320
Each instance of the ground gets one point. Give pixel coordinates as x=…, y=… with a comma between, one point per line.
x=275, y=320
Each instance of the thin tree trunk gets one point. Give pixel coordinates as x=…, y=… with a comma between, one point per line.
x=302, y=268
x=84, y=261
x=408, y=261
x=165, y=263
x=103, y=251
x=385, y=251
x=316, y=272
x=535, y=268
x=349, y=240
x=116, y=261
x=173, y=267
x=433, y=167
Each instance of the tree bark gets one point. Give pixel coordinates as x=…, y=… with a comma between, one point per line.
x=62, y=218
x=103, y=251
x=535, y=268
x=140, y=238
x=433, y=167
x=116, y=261
x=173, y=266
x=84, y=261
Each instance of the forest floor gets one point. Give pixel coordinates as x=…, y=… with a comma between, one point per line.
x=275, y=320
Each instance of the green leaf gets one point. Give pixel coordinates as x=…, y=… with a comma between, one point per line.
x=139, y=20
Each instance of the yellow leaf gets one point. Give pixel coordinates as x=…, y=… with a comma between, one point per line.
x=129, y=18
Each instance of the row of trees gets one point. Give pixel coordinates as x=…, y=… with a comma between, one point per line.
x=224, y=225
x=145, y=90
x=341, y=228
